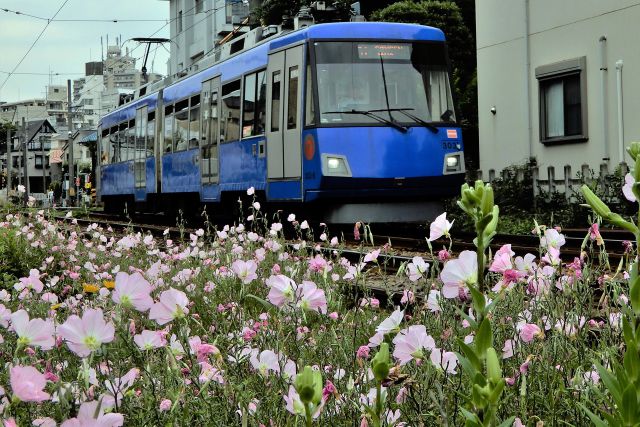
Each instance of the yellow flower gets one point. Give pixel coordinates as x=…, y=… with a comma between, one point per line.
x=109, y=284
x=56, y=306
x=90, y=288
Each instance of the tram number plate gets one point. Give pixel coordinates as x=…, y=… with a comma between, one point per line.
x=447, y=145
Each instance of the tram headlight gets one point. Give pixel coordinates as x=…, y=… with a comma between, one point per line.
x=453, y=162
x=335, y=165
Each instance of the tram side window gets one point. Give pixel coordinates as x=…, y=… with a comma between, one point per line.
x=254, y=104
x=230, y=129
x=151, y=134
x=292, y=99
x=168, y=129
x=310, y=104
x=275, y=101
x=194, y=122
x=248, y=105
x=181, y=128
x=114, y=145
x=105, y=145
x=131, y=140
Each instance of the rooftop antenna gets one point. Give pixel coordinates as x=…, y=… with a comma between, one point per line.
x=149, y=41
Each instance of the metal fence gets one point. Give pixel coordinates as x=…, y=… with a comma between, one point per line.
x=562, y=181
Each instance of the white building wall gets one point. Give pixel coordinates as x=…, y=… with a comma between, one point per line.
x=199, y=30
x=558, y=31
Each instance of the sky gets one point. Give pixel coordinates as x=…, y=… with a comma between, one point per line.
x=71, y=39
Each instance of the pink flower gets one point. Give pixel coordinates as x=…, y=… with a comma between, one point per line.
x=446, y=360
x=363, y=352
x=245, y=270
x=507, y=350
x=443, y=255
x=407, y=297
x=83, y=336
x=627, y=187
x=417, y=268
x=501, y=263
x=165, y=405
x=356, y=231
x=530, y=331
x=132, y=290
x=34, y=332
x=148, y=340
x=31, y=282
x=264, y=362
x=333, y=315
x=28, y=384
x=594, y=234
x=317, y=264
x=282, y=290
x=118, y=387
x=439, y=227
x=92, y=415
x=552, y=239
x=311, y=297
x=172, y=305
x=372, y=256
x=410, y=342
x=457, y=274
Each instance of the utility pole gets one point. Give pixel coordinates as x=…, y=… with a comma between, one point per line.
x=25, y=161
x=72, y=182
x=9, y=161
x=44, y=167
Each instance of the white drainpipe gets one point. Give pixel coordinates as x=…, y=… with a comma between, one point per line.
x=605, y=105
x=619, y=65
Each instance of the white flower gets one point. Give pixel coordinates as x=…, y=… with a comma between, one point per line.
x=391, y=323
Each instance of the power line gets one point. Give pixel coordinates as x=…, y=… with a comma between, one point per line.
x=32, y=45
x=41, y=74
x=113, y=20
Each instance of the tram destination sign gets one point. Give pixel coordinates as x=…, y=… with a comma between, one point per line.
x=384, y=50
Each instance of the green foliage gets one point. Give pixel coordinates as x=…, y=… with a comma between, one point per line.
x=17, y=256
x=272, y=11
x=514, y=194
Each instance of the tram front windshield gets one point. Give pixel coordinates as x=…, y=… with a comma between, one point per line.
x=352, y=78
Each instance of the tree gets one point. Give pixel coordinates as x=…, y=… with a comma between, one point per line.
x=272, y=11
x=4, y=128
x=447, y=16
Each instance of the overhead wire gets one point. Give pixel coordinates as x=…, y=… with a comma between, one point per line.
x=206, y=13
x=32, y=45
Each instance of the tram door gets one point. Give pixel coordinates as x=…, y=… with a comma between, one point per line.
x=284, y=95
x=210, y=131
x=140, y=151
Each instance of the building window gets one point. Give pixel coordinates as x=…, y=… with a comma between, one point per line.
x=563, y=101
x=179, y=21
x=199, y=4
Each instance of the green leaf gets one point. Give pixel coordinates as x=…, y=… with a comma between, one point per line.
x=470, y=354
x=484, y=338
x=611, y=382
x=629, y=404
x=508, y=422
x=479, y=301
x=270, y=307
x=597, y=421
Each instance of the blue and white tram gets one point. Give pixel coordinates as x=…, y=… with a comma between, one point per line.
x=343, y=117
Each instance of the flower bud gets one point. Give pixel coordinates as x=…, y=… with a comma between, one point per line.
x=380, y=364
x=634, y=150
x=494, y=372
x=308, y=384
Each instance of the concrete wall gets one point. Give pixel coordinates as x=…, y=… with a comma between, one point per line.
x=556, y=31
